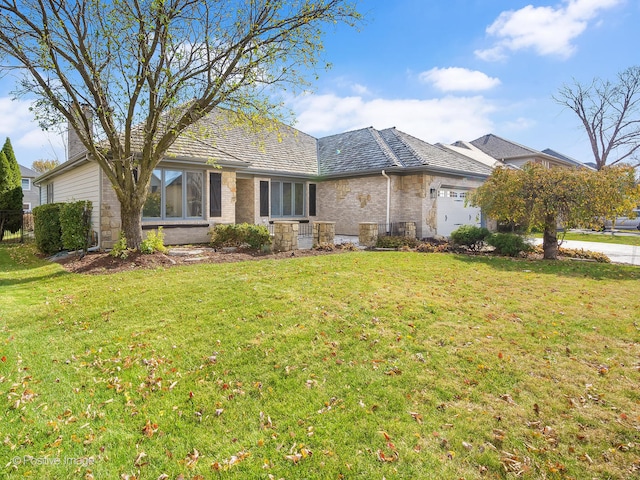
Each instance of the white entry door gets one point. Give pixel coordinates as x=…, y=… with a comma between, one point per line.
x=452, y=213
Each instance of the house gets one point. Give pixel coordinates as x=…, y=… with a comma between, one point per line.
x=219, y=172
x=515, y=155
x=30, y=192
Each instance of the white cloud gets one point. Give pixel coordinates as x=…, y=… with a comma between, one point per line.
x=458, y=79
x=545, y=30
x=360, y=89
x=433, y=120
x=28, y=140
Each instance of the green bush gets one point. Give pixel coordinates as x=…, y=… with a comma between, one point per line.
x=75, y=225
x=510, y=244
x=120, y=249
x=46, y=228
x=154, y=242
x=396, y=241
x=238, y=235
x=470, y=236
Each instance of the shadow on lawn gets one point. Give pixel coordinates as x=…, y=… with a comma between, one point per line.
x=30, y=278
x=563, y=268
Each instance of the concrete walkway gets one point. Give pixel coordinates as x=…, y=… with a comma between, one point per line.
x=617, y=253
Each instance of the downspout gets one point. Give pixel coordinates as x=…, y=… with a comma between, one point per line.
x=388, y=227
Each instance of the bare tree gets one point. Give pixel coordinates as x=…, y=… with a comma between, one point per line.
x=610, y=114
x=144, y=71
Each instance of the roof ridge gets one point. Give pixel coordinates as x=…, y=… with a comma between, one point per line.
x=386, y=149
x=396, y=133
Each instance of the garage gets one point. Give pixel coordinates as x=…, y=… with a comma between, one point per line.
x=452, y=212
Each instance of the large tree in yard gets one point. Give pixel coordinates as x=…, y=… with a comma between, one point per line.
x=130, y=76
x=610, y=114
x=545, y=199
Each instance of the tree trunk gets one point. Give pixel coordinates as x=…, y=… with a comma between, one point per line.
x=131, y=218
x=550, y=239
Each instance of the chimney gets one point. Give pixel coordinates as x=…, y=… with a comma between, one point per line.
x=75, y=146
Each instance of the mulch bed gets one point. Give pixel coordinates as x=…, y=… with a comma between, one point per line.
x=100, y=263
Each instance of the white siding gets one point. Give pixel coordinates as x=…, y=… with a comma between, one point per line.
x=81, y=183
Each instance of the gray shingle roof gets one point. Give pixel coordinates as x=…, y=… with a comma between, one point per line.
x=274, y=147
x=499, y=148
x=27, y=172
x=368, y=150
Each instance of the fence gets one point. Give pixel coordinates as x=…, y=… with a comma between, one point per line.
x=19, y=221
x=304, y=229
x=399, y=229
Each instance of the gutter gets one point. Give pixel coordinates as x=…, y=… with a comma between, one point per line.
x=388, y=198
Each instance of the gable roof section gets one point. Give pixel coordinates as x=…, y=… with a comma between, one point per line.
x=500, y=149
x=370, y=150
x=27, y=172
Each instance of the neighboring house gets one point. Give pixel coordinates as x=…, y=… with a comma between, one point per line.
x=30, y=192
x=516, y=155
x=220, y=173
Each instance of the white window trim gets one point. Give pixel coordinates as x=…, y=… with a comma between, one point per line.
x=28, y=204
x=28, y=180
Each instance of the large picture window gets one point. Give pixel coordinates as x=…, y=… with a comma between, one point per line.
x=287, y=199
x=174, y=194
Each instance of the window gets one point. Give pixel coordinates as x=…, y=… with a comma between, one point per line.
x=26, y=207
x=50, y=193
x=442, y=193
x=174, y=194
x=287, y=199
x=26, y=184
x=452, y=194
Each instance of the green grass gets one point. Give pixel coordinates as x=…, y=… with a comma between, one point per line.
x=605, y=237
x=321, y=367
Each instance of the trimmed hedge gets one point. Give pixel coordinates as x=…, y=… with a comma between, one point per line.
x=470, y=236
x=510, y=244
x=75, y=224
x=238, y=235
x=46, y=228
x=396, y=241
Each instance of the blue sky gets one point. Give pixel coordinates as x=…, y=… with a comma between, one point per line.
x=441, y=71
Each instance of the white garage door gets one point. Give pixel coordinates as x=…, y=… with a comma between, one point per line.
x=452, y=213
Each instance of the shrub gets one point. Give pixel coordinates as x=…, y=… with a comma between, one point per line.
x=470, y=236
x=154, y=242
x=395, y=241
x=238, y=235
x=75, y=225
x=46, y=228
x=120, y=249
x=509, y=244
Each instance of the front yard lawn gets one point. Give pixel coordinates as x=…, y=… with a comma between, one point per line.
x=354, y=365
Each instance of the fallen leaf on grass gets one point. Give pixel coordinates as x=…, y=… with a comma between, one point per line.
x=150, y=428
x=417, y=417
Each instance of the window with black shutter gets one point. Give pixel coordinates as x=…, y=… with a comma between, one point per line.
x=215, y=194
x=312, y=199
x=264, y=198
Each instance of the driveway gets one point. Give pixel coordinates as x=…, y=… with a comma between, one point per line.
x=617, y=253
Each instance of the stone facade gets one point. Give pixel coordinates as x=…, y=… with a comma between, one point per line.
x=350, y=202
x=368, y=234
x=109, y=215
x=285, y=236
x=324, y=233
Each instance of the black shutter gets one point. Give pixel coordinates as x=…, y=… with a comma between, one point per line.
x=215, y=194
x=312, y=199
x=264, y=198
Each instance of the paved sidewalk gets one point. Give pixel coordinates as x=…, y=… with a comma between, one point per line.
x=617, y=253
